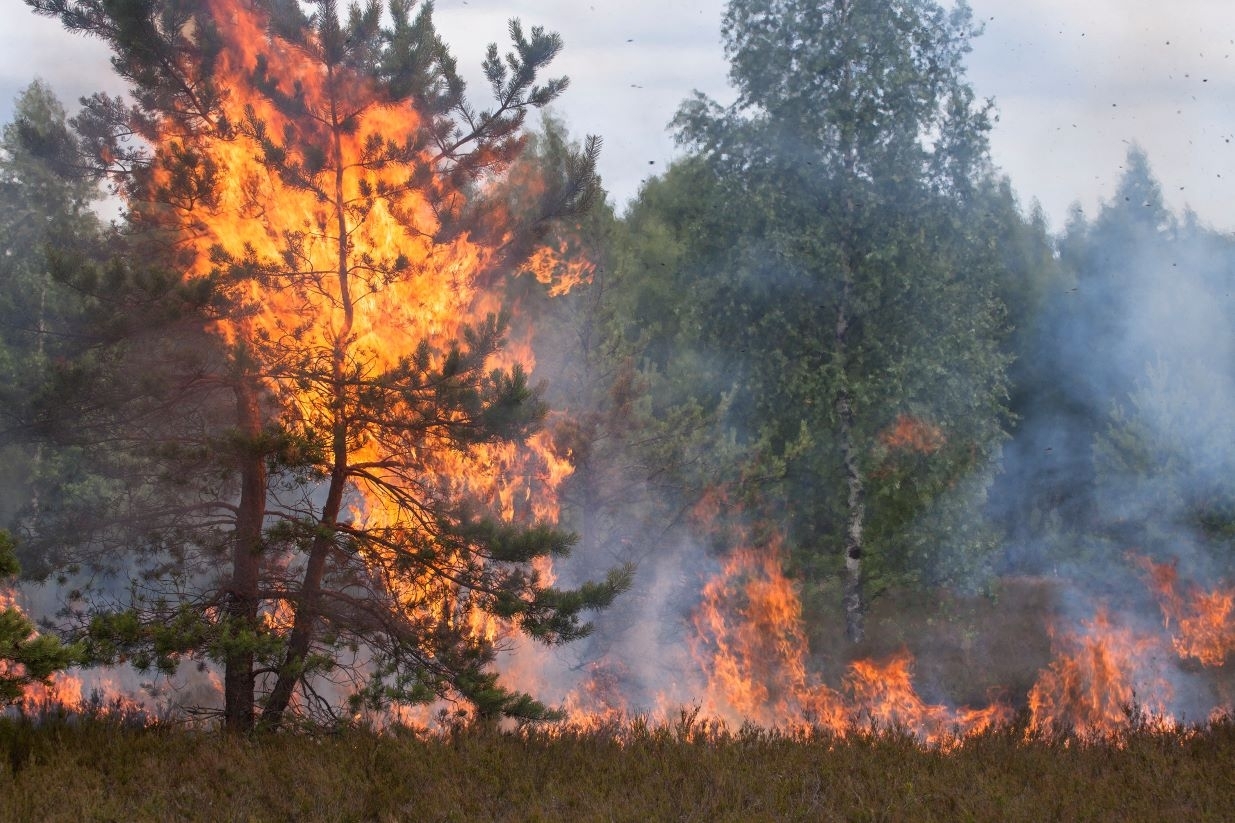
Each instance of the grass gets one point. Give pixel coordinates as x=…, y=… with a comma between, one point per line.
x=76, y=769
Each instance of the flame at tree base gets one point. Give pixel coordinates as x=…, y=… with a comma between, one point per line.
x=752, y=669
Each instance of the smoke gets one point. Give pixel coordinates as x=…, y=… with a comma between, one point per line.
x=1124, y=422
x=1121, y=449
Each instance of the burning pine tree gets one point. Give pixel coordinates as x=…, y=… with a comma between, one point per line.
x=379, y=491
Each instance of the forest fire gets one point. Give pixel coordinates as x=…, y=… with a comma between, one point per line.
x=399, y=286
x=384, y=529
x=368, y=333
x=752, y=647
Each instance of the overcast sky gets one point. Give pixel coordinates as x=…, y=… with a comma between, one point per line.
x=1075, y=83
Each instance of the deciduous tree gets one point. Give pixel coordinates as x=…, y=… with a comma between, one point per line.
x=860, y=325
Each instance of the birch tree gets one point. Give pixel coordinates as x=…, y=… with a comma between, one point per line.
x=856, y=312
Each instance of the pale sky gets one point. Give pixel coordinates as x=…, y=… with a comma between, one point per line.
x=1075, y=84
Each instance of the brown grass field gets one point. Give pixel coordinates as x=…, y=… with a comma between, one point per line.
x=79, y=769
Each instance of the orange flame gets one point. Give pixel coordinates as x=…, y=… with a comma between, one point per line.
x=909, y=433
x=599, y=702
x=751, y=643
x=1091, y=686
x=885, y=695
x=1204, y=622
x=753, y=649
x=406, y=285
x=561, y=269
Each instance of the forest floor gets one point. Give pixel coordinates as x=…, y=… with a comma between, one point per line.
x=75, y=769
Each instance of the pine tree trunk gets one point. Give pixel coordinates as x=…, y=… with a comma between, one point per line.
x=308, y=606
x=238, y=677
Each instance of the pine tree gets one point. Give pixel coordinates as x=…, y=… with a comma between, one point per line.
x=366, y=526
x=26, y=657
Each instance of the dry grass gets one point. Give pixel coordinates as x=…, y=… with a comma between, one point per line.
x=76, y=770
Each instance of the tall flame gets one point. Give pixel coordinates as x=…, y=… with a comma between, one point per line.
x=752, y=647
x=400, y=283
x=751, y=641
x=1202, y=624
x=1091, y=688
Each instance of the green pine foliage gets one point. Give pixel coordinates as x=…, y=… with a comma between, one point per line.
x=25, y=655
x=249, y=494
